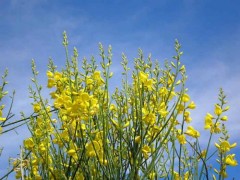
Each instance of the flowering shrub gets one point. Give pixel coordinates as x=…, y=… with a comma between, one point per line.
x=141, y=131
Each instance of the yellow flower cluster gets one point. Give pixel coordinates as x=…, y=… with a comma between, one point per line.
x=209, y=119
x=224, y=147
x=140, y=131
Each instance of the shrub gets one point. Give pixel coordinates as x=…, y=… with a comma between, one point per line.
x=140, y=131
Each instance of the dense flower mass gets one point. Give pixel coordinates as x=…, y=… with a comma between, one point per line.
x=142, y=130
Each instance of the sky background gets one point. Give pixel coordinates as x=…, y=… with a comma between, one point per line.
x=209, y=32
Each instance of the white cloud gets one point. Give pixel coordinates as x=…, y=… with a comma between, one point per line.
x=205, y=79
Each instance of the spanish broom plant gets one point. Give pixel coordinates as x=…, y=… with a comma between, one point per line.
x=142, y=130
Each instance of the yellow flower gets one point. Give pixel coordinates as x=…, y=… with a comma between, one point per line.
x=149, y=83
x=18, y=174
x=57, y=76
x=42, y=148
x=163, y=91
x=215, y=128
x=84, y=97
x=161, y=109
x=53, y=95
x=112, y=107
x=36, y=107
x=225, y=146
x=97, y=77
x=49, y=74
x=224, y=118
x=71, y=152
x=148, y=117
x=203, y=154
x=229, y=160
x=191, y=105
x=83, y=126
x=126, y=124
x=143, y=77
x=186, y=175
x=180, y=108
x=186, y=98
x=28, y=143
x=99, y=136
x=192, y=132
x=208, y=121
x=92, y=149
x=1, y=118
x=176, y=176
x=152, y=175
x=183, y=68
x=182, y=139
x=223, y=173
x=146, y=150
x=137, y=139
x=218, y=110
x=51, y=83
x=187, y=117
x=115, y=124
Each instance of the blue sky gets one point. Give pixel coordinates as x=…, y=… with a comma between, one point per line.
x=209, y=32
